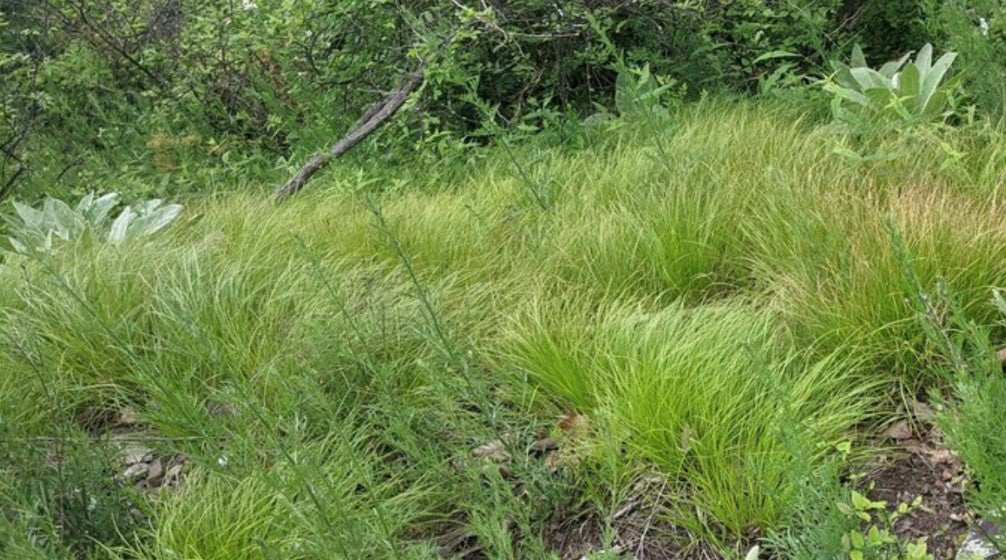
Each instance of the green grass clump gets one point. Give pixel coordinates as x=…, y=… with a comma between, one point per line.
x=838, y=279
x=705, y=393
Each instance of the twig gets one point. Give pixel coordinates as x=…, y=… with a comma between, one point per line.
x=371, y=120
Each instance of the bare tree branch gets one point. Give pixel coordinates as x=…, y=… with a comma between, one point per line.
x=372, y=119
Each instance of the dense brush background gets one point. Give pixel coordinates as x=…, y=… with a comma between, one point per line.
x=174, y=96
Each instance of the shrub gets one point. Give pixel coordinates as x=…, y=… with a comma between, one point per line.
x=909, y=94
x=971, y=418
x=976, y=30
x=120, y=89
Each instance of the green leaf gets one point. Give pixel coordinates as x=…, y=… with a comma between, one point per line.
x=98, y=212
x=879, y=98
x=862, y=503
x=917, y=550
x=847, y=94
x=771, y=55
x=924, y=60
x=155, y=219
x=931, y=79
x=843, y=76
x=891, y=68
x=908, y=88
x=28, y=215
x=869, y=78
x=857, y=59
x=62, y=220
x=857, y=540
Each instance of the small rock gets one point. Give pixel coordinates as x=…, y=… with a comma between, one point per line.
x=136, y=470
x=1001, y=355
x=899, y=431
x=173, y=474
x=976, y=545
x=545, y=444
x=137, y=454
x=922, y=411
x=155, y=472
x=493, y=450
x=131, y=447
x=127, y=417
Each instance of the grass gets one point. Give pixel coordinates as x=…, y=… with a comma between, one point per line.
x=707, y=394
x=693, y=289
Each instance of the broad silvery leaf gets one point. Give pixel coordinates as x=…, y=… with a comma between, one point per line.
x=120, y=227
x=931, y=79
x=30, y=216
x=158, y=218
x=906, y=93
x=891, y=68
x=97, y=212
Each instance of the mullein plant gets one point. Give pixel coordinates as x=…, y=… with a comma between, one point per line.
x=32, y=230
x=902, y=92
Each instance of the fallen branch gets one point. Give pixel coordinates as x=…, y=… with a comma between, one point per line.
x=376, y=115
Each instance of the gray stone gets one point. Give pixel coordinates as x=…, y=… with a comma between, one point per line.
x=976, y=545
x=137, y=470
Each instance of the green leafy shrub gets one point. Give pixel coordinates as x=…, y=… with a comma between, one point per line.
x=877, y=540
x=887, y=28
x=58, y=494
x=909, y=94
x=977, y=30
x=265, y=84
x=814, y=527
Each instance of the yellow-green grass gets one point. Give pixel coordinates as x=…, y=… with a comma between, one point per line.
x=697, y=288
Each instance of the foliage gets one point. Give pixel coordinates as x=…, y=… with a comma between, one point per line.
x=35, y=230
x=910, y=94
x=878, y=540
x=971, y=415
x=814, y=527
x=976, y=30
x=889, y=28
x=829, y=520
x=174, y=96
x=59, y=502
x=702, y=393
x=696, y=286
